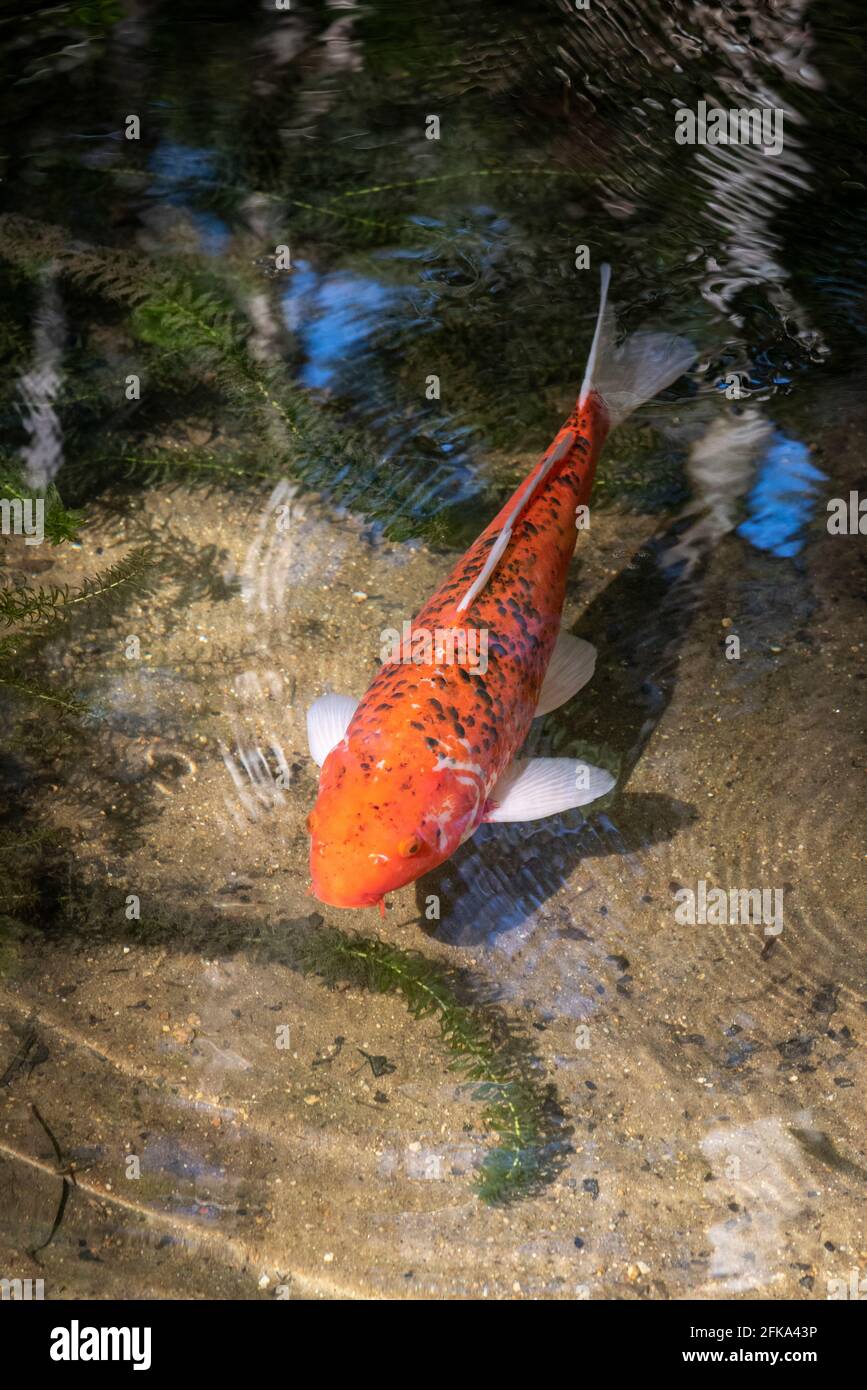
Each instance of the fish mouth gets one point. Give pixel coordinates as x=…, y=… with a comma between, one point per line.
x=332, y=897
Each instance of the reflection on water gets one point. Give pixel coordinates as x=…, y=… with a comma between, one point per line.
x=764, y=1167
x=180, y=174
x=748, y=187
x=784, y=497
x=332, y=315
x=742, y=461
x=357, y=419
x=39, y=387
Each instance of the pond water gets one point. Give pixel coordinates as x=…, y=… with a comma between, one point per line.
x=292, y=299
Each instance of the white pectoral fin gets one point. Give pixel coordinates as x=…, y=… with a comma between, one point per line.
x=571, y=667
x=533, y=788
x=327, y=721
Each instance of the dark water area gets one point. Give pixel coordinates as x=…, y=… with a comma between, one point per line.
x=291, y=299
x=455, y=255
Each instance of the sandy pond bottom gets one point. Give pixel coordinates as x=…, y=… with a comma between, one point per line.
x=709, y=1074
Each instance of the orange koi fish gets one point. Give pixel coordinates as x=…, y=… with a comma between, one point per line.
x=412, y=770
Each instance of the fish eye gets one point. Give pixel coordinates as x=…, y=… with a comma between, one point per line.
x=407, y=848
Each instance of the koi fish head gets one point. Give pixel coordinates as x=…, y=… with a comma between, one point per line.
x=377, y=827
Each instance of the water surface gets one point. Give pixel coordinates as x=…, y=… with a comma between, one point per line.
x=350, y=343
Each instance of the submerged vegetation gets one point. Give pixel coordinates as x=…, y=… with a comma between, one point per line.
x=190, y=329
x=34, y=614
x=40, y=891
x=489, y=1052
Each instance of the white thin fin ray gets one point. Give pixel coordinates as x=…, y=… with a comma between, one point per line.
x=572, y=664
x=505, y=535
x=328, y=718
x=537, y=787
x=600, y=334
x=488, y=567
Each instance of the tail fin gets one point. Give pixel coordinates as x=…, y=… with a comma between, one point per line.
x=627, y=376
x=624, y=377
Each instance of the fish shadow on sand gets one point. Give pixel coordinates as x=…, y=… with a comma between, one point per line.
x=506, y=872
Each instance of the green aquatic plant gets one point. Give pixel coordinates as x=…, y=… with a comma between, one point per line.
x=489, y=1052
x=185, y=323
x=20, y=603
x=170, y=464
x=93, y=14
x=60, y=523
x=37, y=613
